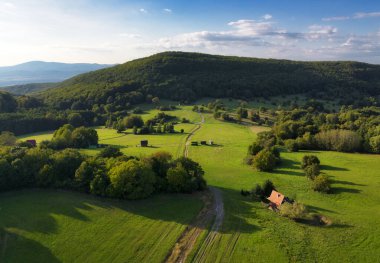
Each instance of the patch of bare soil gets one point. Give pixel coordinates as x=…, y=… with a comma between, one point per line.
x=187, y=240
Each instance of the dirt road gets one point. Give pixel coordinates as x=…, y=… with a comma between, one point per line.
x=213, y=209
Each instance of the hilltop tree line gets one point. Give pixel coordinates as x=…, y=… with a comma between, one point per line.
x=189, y=76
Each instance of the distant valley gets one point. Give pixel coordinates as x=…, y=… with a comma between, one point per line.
x=40, y=72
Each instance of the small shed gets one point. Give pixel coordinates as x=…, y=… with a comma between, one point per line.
x=276, y=199
x=203, y=142
x=32, y=142
x=144, y=143
x=194, y=143
x=210, y=142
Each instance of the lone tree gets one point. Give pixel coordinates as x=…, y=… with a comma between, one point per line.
x=309, y=160
x=321, y=184
x=110, y=151
x=265, y=160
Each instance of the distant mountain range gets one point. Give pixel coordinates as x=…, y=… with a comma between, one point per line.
x=43, y=72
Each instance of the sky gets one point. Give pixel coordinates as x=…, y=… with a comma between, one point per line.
x=116, y=31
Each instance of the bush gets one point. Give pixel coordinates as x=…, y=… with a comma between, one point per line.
x=7, y=139
x=374, y=143
x=83, y=137
x=254, y=148
x=308, y=160
x=265, y=160
x=291, y=145
x=131, y=180
x=110, y=152
x=133, y=121
x=177, y=179
x=321, y=184
x=312, y=171
x=268, y=187
x=293, y=211
x=266, y=139
x=258, y=191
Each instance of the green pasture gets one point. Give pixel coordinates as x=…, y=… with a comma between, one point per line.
x=250, y=232
x=57, y=226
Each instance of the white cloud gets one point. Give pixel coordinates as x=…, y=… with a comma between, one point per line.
x=360, y=15
x=318, y=31
x=335, y=18
x=366, y=15
x=128, y=35
x=167, y=10
x=267, y=16
x=144, y=11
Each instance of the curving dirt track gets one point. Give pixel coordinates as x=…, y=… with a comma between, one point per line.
x=213, y=208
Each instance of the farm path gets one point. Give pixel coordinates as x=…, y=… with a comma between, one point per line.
x=191, y=134
x=212, y=210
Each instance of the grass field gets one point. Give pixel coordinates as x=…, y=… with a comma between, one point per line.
x=251, y=233
x=49, y=226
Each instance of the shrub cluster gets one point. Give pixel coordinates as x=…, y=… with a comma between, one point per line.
x=311, y=166
x=263, y=154
x=161, y=123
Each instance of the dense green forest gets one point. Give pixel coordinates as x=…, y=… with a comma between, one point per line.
x=189, y=76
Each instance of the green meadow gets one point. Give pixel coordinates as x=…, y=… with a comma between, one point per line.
x=142, y=230
x=57, y=226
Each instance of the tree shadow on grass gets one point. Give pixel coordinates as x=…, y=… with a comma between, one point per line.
x=289, y=164
x=346, y=183
x=340, y=190
x=236, y=212
x=315, y=209
x=37, y=210
x=12, y=246
x=332, y=168
x=37, y=214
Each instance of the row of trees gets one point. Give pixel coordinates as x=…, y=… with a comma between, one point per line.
x=350, y=130
x=109, y=174
x=160, y=123
x=311, y=166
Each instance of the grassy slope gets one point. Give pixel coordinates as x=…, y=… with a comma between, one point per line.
x=252, y=233
x=54, y=227
x=173, y=143
x=50, y=226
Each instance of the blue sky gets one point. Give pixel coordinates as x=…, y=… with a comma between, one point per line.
x=115, y=31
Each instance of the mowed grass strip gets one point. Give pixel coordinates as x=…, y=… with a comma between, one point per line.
x=58, y=226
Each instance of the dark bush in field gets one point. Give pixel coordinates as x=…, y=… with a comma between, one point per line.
x=309, y=160
x=109, y=152
x=321, y=184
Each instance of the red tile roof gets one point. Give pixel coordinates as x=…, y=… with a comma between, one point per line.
x=276, y=198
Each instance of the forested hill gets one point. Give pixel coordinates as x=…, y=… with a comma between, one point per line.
x=188, y=76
